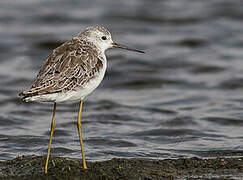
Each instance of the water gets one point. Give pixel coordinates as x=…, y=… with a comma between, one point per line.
x=182, y=98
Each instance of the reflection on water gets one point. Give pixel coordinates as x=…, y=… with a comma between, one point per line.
x=182, y=98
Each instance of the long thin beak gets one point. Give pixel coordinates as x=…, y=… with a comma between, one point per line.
x=115, y=45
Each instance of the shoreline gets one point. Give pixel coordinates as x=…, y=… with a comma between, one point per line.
x=32, y=167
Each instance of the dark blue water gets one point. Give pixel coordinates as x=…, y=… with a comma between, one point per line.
x=183, y=98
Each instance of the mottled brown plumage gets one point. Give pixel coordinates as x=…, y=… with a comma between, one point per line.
x=67, y=68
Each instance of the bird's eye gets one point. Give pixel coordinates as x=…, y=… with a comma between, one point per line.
x=103, y=38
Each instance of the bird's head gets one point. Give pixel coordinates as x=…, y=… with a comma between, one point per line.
x=101, y=37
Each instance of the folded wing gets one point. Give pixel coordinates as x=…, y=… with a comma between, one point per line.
x=68, y=68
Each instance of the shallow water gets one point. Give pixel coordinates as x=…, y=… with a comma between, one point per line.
x=182, y=98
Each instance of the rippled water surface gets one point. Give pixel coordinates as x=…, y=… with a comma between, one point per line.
x=184, y=97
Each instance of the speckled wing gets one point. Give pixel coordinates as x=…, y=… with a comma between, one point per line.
x=68, y=68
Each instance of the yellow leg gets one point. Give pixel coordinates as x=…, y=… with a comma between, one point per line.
x=52, y=131
x=80, y=136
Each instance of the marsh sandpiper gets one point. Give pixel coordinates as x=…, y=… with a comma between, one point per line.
x=71, y=72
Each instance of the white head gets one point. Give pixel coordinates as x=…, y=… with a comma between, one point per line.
x=101, y=37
